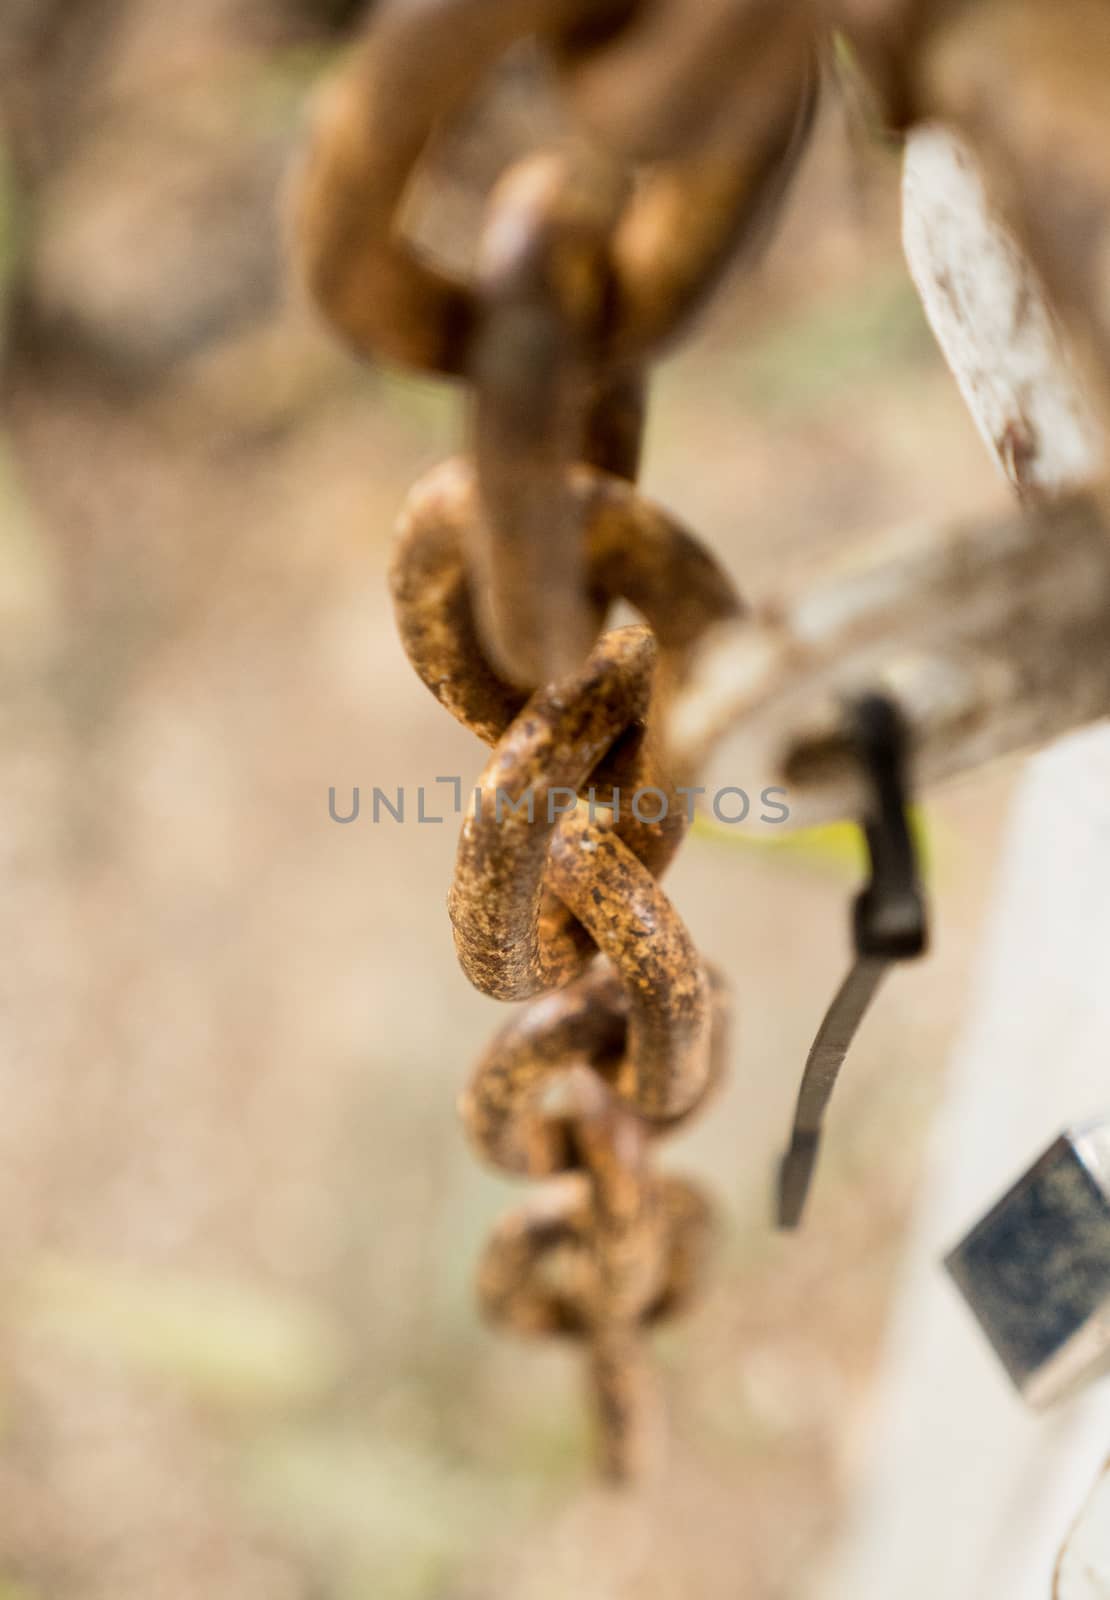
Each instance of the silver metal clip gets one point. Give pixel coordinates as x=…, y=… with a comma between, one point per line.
x=1036, y=1269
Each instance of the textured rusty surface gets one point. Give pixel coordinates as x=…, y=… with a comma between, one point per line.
x=635, y=1039
x=683, y=220
x=514, y=938
x=416, y=65
x=587, y=1022
x=672, y=81
x=590, y=257
x=544, y=287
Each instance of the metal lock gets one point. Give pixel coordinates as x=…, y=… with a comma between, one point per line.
x=1036, y=1269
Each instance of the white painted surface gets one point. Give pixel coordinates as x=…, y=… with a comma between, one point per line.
x=1085, y=1565
x=988, y=310
x=968, y=1495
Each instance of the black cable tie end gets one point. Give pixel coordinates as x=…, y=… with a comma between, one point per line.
x=794, y=1178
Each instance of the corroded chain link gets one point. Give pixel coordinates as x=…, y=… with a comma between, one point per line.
x=687, y=121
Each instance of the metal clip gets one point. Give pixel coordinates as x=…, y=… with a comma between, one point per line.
x=888, y=925
x=1036, y=1269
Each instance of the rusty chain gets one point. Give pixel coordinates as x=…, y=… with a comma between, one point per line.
x=592, y=255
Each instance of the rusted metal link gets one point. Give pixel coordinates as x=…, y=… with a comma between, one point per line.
x=589, y=260
x=538, y=392
x=635, y=551
x=719, y=101
x=538, y=768
x=505, y=1109
x=634, y=1040
x=540, y=1272
x=616, y=899
x=519, y=846
x=560, y=1265
x=672, y=79
x=417, y=65
x=581, y=275
x=682, y=222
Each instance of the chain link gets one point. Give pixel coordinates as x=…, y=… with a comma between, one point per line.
x=592, y=255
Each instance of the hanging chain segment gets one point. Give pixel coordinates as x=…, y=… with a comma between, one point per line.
x=633, y=1041
x=592, y=255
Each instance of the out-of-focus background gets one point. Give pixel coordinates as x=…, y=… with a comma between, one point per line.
x=239, y=1353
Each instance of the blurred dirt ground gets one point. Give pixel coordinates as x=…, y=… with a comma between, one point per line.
x=238, y=1222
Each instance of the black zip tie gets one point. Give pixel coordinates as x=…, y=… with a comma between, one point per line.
x=888, y=925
